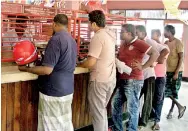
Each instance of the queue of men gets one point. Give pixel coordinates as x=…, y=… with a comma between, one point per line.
x=148, y=59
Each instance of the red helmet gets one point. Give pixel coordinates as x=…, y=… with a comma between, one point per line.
x=24, y=53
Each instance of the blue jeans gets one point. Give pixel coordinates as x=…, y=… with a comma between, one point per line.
x=128, y=90
x=158, y=98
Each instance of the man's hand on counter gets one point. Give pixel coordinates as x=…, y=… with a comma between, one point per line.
x=23, y=68
x=89, y=63
x=39, y=70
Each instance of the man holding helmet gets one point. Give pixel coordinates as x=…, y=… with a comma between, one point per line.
x=56, y=79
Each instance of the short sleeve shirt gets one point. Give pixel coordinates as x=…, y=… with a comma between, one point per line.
x=61, y=55
x=160, y=69
x=102, y=47
x=134, y=51
x=150, y=72
x=175, y=46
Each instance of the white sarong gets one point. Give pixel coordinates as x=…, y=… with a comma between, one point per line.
x=55, y=113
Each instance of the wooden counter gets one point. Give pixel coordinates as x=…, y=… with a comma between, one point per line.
x=19, y=100
x=11, y=74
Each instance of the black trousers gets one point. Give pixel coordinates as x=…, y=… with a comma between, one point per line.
x=148, y=92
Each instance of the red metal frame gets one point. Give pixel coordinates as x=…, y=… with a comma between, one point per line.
x=37, y=16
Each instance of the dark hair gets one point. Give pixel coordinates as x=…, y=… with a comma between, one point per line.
x=130, y=28
x=21, y=19
x=156, y=31
x=61, y=19
x=141, y=28
x=98, y=17
x=171, y=29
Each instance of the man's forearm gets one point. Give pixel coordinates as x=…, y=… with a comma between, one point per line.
x=180, y=62
x=39, y=70
x=162, y=56
x=89, y=63
x=153, y=57
x=84, y=64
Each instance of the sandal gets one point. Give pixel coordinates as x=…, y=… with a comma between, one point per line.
x=140, y=128
x=182, y=113
x=156, y=127
x=169, y=116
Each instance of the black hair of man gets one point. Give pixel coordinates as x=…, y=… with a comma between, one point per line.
x=129, y=28
x=156, y=31
x=171, y=29
x=98, y=17
x=141, y=28
x=21, y=19
x=61, y=19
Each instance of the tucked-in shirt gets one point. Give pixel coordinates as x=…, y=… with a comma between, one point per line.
x=150, y=72
x=102, y=47
x=176, y=47
x=160, y=69
x=60, y=54
x=134, y=51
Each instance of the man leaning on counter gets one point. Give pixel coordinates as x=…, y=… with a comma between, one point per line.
x=56, y=79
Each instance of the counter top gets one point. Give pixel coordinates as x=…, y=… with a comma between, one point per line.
x=11, y=74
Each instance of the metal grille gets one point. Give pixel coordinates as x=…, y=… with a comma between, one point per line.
x=16, y=27
x=37, y=26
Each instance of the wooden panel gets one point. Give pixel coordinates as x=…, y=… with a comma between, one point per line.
x=87, y=119
x=81, y=116
x=35, y=98
x=24, y=101
x=3, y=106
x=17, y=98
x=29, y=107
x=19, y=106
x=83, y=104
x=10, y=106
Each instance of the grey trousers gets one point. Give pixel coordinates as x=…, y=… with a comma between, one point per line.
x=99, y=95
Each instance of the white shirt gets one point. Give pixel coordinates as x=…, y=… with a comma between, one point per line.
x=150, y=72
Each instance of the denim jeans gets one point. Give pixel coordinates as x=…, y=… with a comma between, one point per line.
x=128, y=90
x=158, y=98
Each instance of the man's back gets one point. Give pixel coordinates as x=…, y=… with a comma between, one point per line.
x=61, y=54
x=102, y=47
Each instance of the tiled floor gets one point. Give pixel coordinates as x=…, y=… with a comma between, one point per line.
x=174, y=124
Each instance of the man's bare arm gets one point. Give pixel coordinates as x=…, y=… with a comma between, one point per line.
x=153, y=57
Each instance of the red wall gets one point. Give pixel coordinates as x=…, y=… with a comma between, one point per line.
x=141, y=4
x=185, y=41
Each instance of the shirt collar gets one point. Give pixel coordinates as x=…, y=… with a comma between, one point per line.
x=134, y=40
x=145, y=38
x=100, y=30
x=62, y=31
